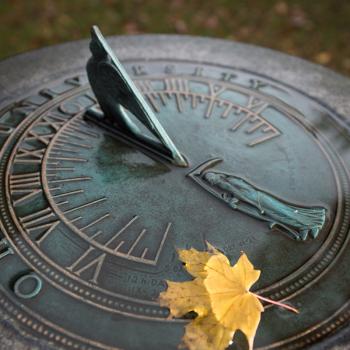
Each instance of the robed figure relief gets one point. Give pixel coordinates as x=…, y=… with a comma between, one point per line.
x=298, y=222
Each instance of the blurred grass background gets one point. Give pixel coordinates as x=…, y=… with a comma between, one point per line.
x=318, y=30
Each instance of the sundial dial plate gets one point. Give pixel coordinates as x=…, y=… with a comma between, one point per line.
x=90, y=224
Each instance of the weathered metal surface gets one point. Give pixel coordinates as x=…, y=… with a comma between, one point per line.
x=90, y=224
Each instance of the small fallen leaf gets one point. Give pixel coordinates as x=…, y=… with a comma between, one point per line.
x=219, y=295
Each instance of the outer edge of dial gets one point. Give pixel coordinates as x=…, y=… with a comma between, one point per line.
x=32, y=69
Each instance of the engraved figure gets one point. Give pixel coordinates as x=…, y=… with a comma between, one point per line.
x=239, y=194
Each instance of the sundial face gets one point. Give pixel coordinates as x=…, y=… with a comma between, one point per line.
x=90, y=224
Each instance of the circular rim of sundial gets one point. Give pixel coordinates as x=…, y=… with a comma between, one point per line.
x=31, y=71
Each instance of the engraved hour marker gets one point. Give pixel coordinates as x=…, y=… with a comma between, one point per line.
x=26, y=186
x=40, y=221
x=5, y=250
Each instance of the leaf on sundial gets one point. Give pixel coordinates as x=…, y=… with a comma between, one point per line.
x=219, y=295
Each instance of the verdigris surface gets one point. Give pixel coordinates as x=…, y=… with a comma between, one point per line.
x=90, y=224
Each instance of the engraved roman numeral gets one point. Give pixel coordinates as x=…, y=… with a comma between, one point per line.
x=256, y=105
x=89, y=262
x=85, y=205
x=214, y=90
x=43, y=138
x=257, y=84
x=198, y=72
x=116, y=243
x=26, y=186
x=53, y=121
x=228, y=76
x=258, y=125
x=40, y=222
x=115, y=236
x=25, y=155
x=5, y=250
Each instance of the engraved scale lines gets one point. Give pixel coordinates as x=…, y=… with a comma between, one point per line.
x=25, y=186
x=62, y=150
x=214, y=92
x=115, y=236
x=66, y=194
x=71, y=179
x=92, y=259
x=69, y=159
x=62, y=203
x=95, y=235
x=58, y=168
x=43, y=221
x=129, y=253
x=227, y=110
x=74, y=127
x=180, y=89
x=76, y=219
x=85, y=205
x=62, y=140
x=137, y=240
x=74, y=136
x=94, y=222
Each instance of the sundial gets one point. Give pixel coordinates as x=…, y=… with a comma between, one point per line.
x=117, y=153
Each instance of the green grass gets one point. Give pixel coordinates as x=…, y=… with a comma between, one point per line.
x=316, y=30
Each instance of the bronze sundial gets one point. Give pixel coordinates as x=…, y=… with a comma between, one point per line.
x=108, y=167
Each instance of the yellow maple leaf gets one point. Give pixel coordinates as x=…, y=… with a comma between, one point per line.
x=219, y=295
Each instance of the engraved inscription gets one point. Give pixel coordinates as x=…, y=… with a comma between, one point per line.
x=89, y=263
x=5, y=250
x=28, y=286
x=25, y=187
x=40, y=223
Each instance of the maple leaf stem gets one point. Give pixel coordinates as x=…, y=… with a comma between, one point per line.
x=285, y=306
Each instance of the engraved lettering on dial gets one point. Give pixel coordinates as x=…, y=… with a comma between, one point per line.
x=25, y=187
x=95, y=264
x=98, y=221
x=40, y=223
x=28, y=286
x=5, y=250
